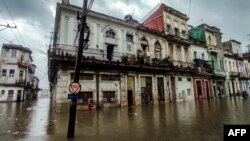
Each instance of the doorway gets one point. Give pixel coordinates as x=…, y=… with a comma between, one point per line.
x=149, y=96
x=130, y=98
x=207, y=90
x=110, y=51
x=173, y=88
x=161, y=95
x=198, y=88
x=19, y=94
x=130, y=90
x=233, y=87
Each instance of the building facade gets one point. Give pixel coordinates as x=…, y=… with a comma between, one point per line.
x=127, y=63
x=17, y=73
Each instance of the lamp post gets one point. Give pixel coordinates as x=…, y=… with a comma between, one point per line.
x=83, y=40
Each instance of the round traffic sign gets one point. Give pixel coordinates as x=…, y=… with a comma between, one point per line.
x=74, y=87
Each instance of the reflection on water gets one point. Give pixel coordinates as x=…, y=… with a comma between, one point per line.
x=196, y=121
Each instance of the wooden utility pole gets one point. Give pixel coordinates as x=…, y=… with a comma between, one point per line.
x=81, y=44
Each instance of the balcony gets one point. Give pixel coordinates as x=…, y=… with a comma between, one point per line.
x=177, y=37
x=243, y=75
x=203, y=66
x=214, y=49
x=220, y=73
x=95, y=59
x=20, y=82
x=22, y=63
x=234, y=74
x=7, y=80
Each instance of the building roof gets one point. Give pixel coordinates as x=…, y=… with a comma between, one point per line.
x=17, y=47
x=131, y=22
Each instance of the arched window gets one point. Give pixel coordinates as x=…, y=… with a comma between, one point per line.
x=110, y=34
x=209, y=40
x=144, y=45
x=157, y=50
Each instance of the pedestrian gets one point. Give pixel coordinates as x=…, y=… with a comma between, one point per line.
x=90, y=105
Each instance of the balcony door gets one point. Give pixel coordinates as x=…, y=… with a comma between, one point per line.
x=110, y=52
x=20, y=75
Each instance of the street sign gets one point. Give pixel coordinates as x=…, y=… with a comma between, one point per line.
x=74, y=87
x=74, y=96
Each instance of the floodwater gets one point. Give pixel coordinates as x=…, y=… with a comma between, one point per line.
x=185, y=121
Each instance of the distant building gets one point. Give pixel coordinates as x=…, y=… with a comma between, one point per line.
x=17, y=73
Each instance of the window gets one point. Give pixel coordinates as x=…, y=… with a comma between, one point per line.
x=110, y=34
x=188, y=79
x=186, y=54
x=183, y=33
x=157, y=50
x=195, y=55
x=129, y=48
x=110, y=77
x=85, y=97
x=129, y=38
x=176, y=31
x=179, y=79
x=171, y=52
x=86, y=76
x=13, y=53
x=188, y=92
x=4, y=72
x=12, y=72
x=168, y=28
x=203, y=56
x=82, y=77
x=2, y=92
x=179, y=53
x=109, y=96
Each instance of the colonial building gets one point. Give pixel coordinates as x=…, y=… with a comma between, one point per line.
x=233, y=65
x=127, y=63
x=211, y=36
x=17, y=73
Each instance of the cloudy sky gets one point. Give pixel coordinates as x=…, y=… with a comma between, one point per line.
x=35, y=20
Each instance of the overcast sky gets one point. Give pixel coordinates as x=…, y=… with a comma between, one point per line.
x=35, y=20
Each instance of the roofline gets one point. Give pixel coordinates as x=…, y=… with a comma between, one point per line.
x=17, y=47
x=92, y=13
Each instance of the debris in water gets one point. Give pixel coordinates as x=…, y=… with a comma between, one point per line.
x=28, y=109
x=136, y=114
x=15, y=133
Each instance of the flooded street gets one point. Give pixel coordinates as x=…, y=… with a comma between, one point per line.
x=188, y=120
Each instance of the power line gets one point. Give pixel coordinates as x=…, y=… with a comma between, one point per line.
x=13, y=20
x=8, y=23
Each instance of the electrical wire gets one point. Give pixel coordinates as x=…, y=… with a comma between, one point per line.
x=13, y=21
x=8, y=23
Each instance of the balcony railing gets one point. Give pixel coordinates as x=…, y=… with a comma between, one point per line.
x=96, y=56
x=234, y=74
x=20, y=82
x=22, y=63
x=243, y=75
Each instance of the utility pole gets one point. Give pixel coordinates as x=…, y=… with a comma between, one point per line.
x=82, y=42
x=6, y=26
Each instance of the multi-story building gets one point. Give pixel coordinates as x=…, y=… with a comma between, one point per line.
x=234, y=67
x=202, y=80
x=17, y=72
x=211, y=36
x=126, y=63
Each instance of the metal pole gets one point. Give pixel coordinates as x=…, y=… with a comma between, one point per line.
x=73, y=103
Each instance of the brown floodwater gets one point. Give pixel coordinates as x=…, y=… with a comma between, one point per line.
x=185, y=121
